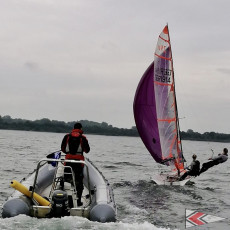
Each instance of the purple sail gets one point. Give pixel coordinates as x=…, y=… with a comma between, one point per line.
x=144, y=108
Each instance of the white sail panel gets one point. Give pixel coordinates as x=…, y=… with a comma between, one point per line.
x=166, y=102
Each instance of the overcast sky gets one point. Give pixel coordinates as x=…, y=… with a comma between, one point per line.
x=69, y=60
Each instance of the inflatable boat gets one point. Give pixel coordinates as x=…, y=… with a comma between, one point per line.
x=45, y=193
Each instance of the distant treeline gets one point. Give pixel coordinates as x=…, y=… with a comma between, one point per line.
x=207, y=136
x=91, y=127
x=46, y=125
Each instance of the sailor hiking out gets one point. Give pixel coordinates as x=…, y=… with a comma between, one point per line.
x=221, y=158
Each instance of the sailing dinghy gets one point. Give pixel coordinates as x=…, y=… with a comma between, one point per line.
x=156, y=116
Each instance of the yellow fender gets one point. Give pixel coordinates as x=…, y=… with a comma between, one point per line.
x=24, y=190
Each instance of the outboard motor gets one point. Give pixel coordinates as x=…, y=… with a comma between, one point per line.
x=59, y=203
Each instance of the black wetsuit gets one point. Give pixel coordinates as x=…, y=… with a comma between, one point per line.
x=193, y=171
x=215, y=161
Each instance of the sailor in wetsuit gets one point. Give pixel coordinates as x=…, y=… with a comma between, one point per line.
x=193, y=168
x=221, y=158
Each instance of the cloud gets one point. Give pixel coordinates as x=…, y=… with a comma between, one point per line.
x=224, y=71
x=68, y=59
x=31, y=66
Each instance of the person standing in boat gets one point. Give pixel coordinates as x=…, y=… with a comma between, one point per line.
x=193, y=168
x=221, y=158
x=74, y=144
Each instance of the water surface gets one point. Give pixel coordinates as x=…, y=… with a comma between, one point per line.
x=128, y=166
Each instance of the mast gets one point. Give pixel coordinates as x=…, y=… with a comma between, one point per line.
x=177, y=119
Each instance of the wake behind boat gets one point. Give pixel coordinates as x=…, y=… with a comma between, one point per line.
x=156, y=115
x=47, y=194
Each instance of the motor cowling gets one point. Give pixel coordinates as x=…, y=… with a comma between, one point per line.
x=59, y=203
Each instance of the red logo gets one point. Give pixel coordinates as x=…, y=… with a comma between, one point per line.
x=194, y=218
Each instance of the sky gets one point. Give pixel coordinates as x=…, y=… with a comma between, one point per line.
x=83, y=59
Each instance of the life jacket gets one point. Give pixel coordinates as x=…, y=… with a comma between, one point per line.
x=74, y=146
x=78, y=157
x=74, y=143
x=196, y=168
x=74, y=157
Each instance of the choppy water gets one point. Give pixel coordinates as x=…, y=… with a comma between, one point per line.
x=128, y=166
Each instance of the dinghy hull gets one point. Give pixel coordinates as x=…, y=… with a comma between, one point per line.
x=166, y=179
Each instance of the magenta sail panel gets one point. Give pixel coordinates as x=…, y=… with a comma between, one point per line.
x=144, y=108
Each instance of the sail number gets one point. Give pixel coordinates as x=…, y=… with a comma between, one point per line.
x=163, y=75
